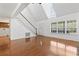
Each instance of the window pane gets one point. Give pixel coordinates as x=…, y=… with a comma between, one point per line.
x=71, y=26
x=49, y=10
x=54, y=27
x=61, y=27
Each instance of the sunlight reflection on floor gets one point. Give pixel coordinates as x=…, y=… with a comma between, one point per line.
x=62, y=49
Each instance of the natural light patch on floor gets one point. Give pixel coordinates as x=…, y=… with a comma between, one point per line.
x=70, y=50
x=53, y=43
x=53, y=47
x=62, y=49
x=60, y=45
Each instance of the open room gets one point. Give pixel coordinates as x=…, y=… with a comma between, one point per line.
x=39, y=29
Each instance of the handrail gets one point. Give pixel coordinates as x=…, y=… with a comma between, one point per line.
x=25, y=25
x=28, y=21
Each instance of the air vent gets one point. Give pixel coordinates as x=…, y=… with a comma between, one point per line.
x=27, y=35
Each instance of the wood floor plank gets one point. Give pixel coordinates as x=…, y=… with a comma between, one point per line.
x=42, y=46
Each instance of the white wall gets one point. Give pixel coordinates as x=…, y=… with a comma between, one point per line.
x=44, y=27
x=19, y=26
x=18, y=30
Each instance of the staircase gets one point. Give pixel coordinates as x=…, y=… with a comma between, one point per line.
x=24, y=24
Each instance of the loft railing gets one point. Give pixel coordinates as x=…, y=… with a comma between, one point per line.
x=28, y=22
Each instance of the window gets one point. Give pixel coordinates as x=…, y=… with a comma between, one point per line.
x=49, y=9
x=71, y=26
x=54, y=27
x=61, y=27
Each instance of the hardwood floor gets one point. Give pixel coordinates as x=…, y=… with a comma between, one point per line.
x=42, y=46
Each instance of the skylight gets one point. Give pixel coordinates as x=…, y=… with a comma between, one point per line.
x=48, y=8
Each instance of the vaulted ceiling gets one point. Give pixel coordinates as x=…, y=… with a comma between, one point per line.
x=62, y=9
x=57, y=10
x=37, y=10
x=6, y=9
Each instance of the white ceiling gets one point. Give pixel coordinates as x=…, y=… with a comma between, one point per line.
x=62, y=9
x=37, y=12
x=6, y=9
